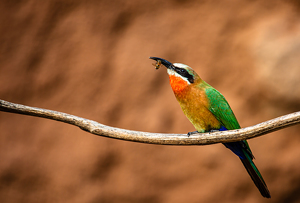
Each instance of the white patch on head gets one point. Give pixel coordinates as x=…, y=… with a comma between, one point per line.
x=180, y=65
x=172, y=72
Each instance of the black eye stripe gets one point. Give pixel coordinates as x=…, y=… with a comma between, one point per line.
x=185, y=74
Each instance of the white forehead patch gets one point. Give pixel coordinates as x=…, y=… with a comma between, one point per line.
x=172, y=72
x=180, y=65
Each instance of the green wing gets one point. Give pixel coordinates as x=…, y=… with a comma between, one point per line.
x=221, y=109
x=223, y=113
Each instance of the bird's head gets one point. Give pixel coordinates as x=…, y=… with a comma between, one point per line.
x=181, y=76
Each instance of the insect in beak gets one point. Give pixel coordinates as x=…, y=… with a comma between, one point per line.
x=157, y=64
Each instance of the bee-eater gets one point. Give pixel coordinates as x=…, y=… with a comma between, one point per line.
x=208, y=111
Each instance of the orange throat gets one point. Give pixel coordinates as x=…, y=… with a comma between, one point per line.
x=178, y=84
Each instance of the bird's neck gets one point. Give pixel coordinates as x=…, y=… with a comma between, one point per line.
x=178, y=84
x=182, y=88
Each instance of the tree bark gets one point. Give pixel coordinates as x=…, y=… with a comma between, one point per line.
x=156, y=138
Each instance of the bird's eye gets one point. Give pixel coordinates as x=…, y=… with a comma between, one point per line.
x=183, y=72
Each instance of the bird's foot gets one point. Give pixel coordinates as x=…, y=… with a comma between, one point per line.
x=191, y=133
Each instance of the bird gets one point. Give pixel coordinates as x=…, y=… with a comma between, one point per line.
x=208, y=111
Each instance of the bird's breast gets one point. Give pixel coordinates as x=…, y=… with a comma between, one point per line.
x=195, y=105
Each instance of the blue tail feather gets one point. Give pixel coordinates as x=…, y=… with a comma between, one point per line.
x=242, y=150
x=235, y=147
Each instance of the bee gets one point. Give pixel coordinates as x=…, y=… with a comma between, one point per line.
x=157, y=64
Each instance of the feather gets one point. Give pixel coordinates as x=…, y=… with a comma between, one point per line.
x=223, y=113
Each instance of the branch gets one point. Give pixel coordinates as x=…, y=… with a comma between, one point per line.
x=156, y=138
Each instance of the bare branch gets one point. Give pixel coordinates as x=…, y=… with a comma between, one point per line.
x=156, y=138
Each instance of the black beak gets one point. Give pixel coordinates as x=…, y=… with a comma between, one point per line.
x=164, y=62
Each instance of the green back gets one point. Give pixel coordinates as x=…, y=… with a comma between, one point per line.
x=221, y=109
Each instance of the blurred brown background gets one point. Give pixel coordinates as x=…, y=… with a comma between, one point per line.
x=90, y=58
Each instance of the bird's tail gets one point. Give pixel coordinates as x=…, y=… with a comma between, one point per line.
x=256, y=176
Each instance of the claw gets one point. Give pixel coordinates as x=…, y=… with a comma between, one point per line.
x=191, y=133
